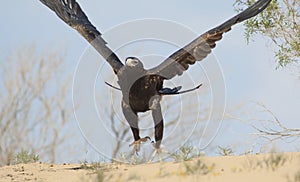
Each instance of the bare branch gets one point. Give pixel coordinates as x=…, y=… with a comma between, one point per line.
x=32, y=103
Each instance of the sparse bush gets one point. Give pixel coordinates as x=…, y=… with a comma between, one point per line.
x=225, y=151
x=93, y=166
x=131, y=159
x=185, y=153
x=25, y=157
x=34, y=107
x=100, y=176
x=272, y=162
x=199, y=168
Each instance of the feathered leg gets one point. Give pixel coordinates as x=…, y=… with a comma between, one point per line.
x=159, y=126
x=132, y=119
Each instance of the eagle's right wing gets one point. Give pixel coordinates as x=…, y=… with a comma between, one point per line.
x=71, y=13
x=198, y=49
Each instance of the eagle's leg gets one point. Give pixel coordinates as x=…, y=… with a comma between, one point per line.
x=159, y=126
x=132, y=119
x=137, y=144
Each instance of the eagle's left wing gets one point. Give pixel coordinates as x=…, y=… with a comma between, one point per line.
x=198, y=49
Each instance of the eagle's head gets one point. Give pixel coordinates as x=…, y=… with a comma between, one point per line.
x=133, y=62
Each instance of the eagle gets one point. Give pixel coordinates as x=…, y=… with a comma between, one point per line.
x=143, y=89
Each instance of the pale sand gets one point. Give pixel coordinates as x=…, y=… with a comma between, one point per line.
x=252, y=168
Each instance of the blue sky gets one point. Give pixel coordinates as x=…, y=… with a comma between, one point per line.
x=249, y=70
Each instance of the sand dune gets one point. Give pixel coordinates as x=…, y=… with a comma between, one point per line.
x=263, y=167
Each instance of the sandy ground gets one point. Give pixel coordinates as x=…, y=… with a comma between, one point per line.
x=254, y=168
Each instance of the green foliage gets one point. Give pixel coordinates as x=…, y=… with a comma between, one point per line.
x=275, y=161
x=100, y=176
x=131, y=159
x=185, y=153
x=93, y=166
x=281, y=23
x=25, y=157
x=199, y=168
x=225, y=151
x=272, y=162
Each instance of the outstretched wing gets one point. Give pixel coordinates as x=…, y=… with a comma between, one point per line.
x=71, y=13
x=198, y=49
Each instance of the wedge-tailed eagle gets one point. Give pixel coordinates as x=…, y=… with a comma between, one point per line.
x=143, y=89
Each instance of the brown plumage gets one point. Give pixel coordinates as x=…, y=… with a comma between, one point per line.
x=142, y=88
